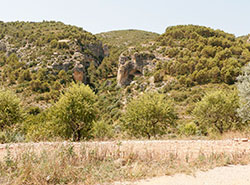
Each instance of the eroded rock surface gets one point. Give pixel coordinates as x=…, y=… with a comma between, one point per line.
x=132, y=64
x=79, y=73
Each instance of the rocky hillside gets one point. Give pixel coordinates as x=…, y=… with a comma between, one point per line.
x=43, y=58
x=184, y=63
x=193, y=55
x=39, y=60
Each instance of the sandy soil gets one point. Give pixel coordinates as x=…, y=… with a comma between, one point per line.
x=230, y=175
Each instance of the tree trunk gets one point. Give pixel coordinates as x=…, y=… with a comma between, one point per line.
x=77, y=135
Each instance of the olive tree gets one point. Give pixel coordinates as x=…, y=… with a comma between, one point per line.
x=217, y=110
x=149, y=115
x=10, y=109
x=243, y=86
x=74, y=113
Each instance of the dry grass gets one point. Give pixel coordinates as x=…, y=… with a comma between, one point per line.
x=85, y=163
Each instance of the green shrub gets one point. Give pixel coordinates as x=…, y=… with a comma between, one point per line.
x=24, y=76
x=53, y=43
x=149, y=115
x=37, y=127
x=217, y=111
x=10, y=109
x=101, y=130
x=158, y=76
x=189, y=129
x=36, y=85
x=74, y=113
x=33, y=110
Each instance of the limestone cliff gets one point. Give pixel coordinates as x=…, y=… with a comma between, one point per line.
x=132, y=64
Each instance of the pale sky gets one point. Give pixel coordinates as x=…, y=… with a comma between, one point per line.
x=97, y=16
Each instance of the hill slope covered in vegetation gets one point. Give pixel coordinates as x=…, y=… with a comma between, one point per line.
x=186, y=65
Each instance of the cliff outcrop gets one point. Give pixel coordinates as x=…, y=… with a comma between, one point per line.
x=132, y=64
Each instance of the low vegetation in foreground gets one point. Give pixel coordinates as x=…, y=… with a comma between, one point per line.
x=66, y=164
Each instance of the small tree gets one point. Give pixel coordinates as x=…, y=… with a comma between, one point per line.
x=217, y=110
x=243, y=86
x=149, y=115
x=74, y=113
x=10, y=110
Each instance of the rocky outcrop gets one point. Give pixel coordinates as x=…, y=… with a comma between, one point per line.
x=2, y=47
x=248, y=41
x=96, y=49
x=106, y=50
x=131, y=65
x=79, y=73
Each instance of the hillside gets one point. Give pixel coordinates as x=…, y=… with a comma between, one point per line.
x=39, y=62
x=184, y=63
x=125, y=38
x=40, y=59
x=118, y=41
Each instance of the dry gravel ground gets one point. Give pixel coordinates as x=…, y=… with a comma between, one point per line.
x=230, y=175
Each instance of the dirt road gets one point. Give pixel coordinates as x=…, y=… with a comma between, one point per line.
x=230, y=175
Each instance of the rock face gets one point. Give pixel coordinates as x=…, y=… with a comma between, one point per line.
x=106, y=50
x=79, y=73
x=131, y=65
x=96, y=49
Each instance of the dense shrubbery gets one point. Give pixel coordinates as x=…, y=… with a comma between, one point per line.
x=74, y=113
x=203, y=55
x=197, y=56
x=71, y=117
x=32, y=49
x=149, y=115
x=10, y=110
x=217, y=111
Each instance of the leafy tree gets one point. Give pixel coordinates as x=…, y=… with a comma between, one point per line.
x=74, y=113
x=10, y=109
x=217, y=110
x=149, y=115
x=243, y=86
